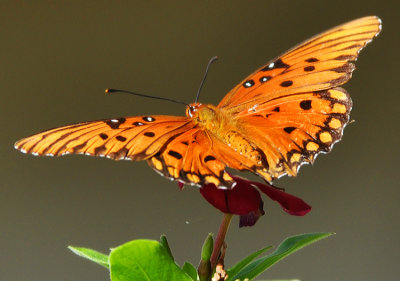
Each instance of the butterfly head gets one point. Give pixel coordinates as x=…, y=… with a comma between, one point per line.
x=200, y=112
x=204, y=114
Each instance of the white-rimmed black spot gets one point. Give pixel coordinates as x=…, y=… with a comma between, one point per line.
x=265, y=79
x=114, y=123
x=248, y=83
x=149, y=119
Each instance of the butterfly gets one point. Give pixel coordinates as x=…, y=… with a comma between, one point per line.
x=278, y=118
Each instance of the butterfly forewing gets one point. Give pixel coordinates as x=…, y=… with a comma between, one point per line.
x=119, y=138
x=319, y=63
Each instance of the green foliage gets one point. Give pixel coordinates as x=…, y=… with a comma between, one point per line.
x=234, y=270
x=286, y=248
x=148, y=260
x=190, y=270
x=164, y=242
x=141, y=260
x=92, y=255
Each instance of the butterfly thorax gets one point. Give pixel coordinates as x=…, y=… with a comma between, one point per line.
x=205, y=115
x=223, y=126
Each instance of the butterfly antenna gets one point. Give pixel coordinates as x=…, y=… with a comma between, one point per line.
x=143, y=95
x=213, y=59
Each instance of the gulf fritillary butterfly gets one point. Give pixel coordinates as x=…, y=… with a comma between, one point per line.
x=278, y=118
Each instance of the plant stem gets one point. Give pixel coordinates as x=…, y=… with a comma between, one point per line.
x=219, y=241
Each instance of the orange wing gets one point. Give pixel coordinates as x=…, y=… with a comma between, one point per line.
x=174, y=146
x=292, y=108
x=293, y=130
x=192, y=158
x=319, y=63
x=132, y=138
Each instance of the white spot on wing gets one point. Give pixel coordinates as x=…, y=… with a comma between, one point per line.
x=271, y=65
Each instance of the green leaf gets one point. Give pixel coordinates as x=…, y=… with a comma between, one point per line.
x=190, y=270
x=237, y=267
x=92, y=255
x=164, y=242
x=144, y=260
x=287, y=247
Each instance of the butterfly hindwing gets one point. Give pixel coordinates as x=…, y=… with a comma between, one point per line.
x=293, y=130
x=188, y=158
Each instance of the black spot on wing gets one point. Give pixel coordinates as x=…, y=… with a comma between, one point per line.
x=312, y=60
x=121, y=138
x=149, y=134
x=289, y=129
x=309, y=68
x=276, y=64
x=305, y=104
x=280, y=64
x=104, y=136
x=287, y=83
x=175, y=154
x=209, y=158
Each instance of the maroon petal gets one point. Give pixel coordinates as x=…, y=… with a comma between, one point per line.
x=290, y=204
x=251, y=218
x=241, y=200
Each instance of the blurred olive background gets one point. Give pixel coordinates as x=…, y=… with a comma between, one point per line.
x=57, y=58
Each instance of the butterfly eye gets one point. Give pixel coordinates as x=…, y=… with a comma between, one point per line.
x=192, y=111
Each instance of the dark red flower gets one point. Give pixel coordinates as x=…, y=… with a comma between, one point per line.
x=245, y=200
